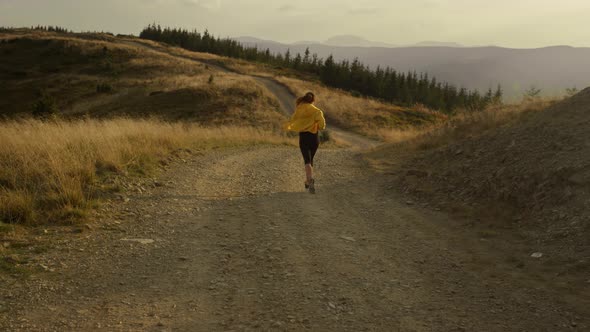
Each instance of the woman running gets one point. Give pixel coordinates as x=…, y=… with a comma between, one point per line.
x=308, y=120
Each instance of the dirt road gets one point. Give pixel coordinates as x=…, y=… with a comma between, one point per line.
x=230, y=241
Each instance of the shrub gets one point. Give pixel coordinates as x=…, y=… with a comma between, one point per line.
x=45, y=106
x=571, y=91
x=325, y=136
x=356, y=94
x=104, y=88
x=16, y=207
x=532, y=94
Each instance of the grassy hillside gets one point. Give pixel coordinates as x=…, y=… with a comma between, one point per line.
x=103, y=76
x=119, y=109
x=52, y=169
x=366, y=116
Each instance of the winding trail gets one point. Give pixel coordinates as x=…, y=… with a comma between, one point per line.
x=282, y=93
x=230, y=241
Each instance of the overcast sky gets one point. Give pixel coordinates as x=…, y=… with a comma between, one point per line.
x=510, y=23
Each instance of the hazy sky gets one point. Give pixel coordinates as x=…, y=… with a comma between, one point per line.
x=510, y=23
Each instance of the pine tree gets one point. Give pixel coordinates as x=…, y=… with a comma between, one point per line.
x=306, y=59
x=287, y=58
x=498, y=95
x=489, y=96
x=297, y=61
x=328, y=71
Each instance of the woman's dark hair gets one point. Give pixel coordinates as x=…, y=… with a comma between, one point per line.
x=308, y=98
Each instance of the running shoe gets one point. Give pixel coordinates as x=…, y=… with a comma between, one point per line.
x=312, y=186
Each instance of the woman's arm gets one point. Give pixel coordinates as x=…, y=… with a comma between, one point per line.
x=320, y=120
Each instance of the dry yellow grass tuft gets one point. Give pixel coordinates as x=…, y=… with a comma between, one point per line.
x=51, y=171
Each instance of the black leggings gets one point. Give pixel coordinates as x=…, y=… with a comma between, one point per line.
x=308, y=144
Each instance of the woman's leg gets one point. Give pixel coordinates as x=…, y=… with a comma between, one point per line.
x=310, y=183
x=308, y=172
x=314, y=143
x=307, y=156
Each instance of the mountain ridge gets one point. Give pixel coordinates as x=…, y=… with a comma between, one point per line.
x=350, y=41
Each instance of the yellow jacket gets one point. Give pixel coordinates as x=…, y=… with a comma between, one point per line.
x=307, y=117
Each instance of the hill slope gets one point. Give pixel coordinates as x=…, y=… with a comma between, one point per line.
x=100, y=75
x=532, y=176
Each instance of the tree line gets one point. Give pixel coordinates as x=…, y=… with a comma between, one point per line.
x=383, y=83
x=48, y=28
x=51, y=28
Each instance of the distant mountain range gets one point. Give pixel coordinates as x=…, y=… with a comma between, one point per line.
x=552, y=69
x=349, y=41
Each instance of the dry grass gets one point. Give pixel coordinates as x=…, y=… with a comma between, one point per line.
x=233, y=64
x=49, y=171
x=466, y=125
x=135, y=72
x=69, y=68
x=259, y=69
x=405, y=144
x=365, y=116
